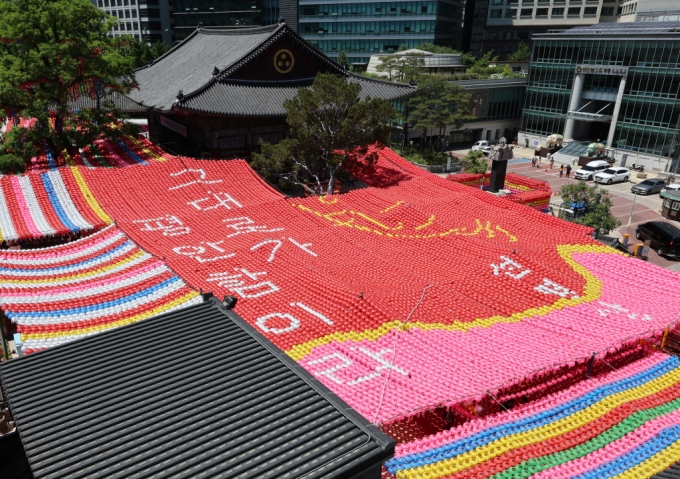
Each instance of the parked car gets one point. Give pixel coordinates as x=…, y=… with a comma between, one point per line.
x=649, y=187
x=482, y=146
x=589, y=171
x=671, y=187
x=612, y=175
x=664, y=237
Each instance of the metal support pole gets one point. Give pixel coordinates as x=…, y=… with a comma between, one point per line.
x=630, y=216
x=590, y=366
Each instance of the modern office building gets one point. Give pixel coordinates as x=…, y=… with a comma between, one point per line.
x=363, y=29
x=616, y=82
x=512, y=21
x=147, y=20
x=188, y=14
x=496, y=105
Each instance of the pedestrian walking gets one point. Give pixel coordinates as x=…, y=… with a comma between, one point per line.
x=561, y=170
x=533, y=162
x=568, y=170
x=552, y=162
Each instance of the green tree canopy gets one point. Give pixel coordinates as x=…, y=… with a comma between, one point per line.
x=331, y=127
x=522, y=54
x=439, y=104
x=51, y=52
x=474, y=162
x=402, y=68
x=598, y=204
x=343, y=61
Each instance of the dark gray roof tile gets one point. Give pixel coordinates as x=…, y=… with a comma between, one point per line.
x=189, y=65
x=241, y=98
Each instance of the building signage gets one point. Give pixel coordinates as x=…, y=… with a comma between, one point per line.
x=602, y=70
x=174, y=126
x=233, y=142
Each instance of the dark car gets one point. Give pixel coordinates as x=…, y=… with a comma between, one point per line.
x=648, y=187
x=665, y=237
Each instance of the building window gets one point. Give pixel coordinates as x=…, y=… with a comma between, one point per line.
x=126, y=2
x=508, y=35
x=496, y=2
x=511, y=2
x=526, y=12
x=523, y=35
x=506, y=49
x=100, y=4
x=127, y=13
x=590, y=11
x=121, y=14
x=496, y=13
x=607, y=11
x=541, y=12
x=134, y=13
x=106, y=3
x=558, y=12
x=493, y=36
x=574, y=12
x=511, y=13
x=132, y=2
x=120, y=3
x=129, y=26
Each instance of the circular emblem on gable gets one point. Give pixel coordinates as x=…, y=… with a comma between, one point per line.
x=578, y=69
x=283, y=61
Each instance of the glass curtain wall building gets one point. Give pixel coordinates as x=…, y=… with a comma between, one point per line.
x=148, y=20
x=363, y=29
x=619, y=83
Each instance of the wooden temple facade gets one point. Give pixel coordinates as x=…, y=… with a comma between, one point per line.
x=219, y=91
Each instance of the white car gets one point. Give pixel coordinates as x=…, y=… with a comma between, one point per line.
x=612, y=175
x=671, y=187
x=589, y=171
x=482, y=146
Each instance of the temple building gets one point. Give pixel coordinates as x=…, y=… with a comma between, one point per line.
x=219, y=91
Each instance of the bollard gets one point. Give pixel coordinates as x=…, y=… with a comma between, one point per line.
x=626, y=237
x=638, y=249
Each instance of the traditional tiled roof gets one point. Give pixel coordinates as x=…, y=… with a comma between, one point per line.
x=243, y=98
x=119, y=100
x=202, y=67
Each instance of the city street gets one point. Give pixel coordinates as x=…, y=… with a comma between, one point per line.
x=646, y=208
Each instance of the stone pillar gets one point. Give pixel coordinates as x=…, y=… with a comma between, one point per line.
x=574, y=104
x=615, y=116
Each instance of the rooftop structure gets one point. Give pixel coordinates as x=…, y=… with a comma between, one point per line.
x=135, y=403
x=223, y=89
x=439, y=63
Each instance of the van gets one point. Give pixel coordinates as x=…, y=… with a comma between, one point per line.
x=589, y=171
x=664, y=237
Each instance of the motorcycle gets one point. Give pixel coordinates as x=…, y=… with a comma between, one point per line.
x=635, y=167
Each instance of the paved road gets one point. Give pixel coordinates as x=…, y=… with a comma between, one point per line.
x=646, y=208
